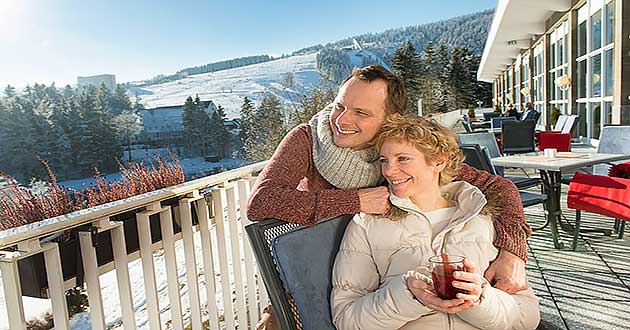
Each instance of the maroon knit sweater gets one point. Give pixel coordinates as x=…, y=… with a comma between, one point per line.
x=290, y=188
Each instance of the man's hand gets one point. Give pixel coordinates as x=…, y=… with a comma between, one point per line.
x=422, y=291
x=374, y=200
x=507, y=273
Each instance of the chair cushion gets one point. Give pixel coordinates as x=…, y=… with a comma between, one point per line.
x=305, y=258
x=559, y=141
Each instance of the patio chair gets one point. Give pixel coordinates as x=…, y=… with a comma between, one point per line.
x=560, y=123
x=518, y=136
x=559, y=141
x=296, y=266
x=479, y=158
x=612, y=140
x=497, y=122
x=604, y=195
x=487, y=139
x=487, y=116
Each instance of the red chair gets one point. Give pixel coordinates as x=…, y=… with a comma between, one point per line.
x=605, y=195
x=560, y=141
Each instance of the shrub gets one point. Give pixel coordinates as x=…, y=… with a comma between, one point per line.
x=20, y=205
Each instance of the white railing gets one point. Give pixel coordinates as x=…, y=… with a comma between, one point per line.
x=214, y=248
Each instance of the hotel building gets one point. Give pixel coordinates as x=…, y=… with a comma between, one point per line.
x=571, y=55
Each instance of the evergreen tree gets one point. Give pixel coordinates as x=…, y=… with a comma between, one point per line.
x=127, y=125
x=267, y=130
x=119, y=101
x=246, y=128
x=406, y=63
x=98, y=147
x=219, y=135
x=9, y=91
x=196, y=122
x=312, y=102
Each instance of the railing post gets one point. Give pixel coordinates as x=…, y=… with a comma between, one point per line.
x=119, y=248
x=90, y=268
x=56, y=288
x=252, y=300
x=191, y=263
x=235, y=246
x=148, y=268
x=226, y=287
x=166, y=224
x=12, y=291
x=208, y=261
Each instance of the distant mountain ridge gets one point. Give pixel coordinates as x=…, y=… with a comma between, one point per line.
x=228, y=82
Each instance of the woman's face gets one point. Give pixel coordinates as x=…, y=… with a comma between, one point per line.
x=407, y=170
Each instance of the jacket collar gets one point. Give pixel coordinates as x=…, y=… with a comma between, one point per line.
x=468, y=199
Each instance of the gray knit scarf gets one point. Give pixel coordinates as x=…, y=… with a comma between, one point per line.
x=344, y=168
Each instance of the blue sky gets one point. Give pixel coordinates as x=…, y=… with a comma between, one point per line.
x=56, y=40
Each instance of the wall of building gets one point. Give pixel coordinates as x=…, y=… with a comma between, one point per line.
x=599, y=69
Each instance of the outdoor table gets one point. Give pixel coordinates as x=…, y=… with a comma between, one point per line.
x=551, y=173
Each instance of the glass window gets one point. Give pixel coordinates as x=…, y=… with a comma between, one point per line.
x=596, y=30
x=610, y=22
x=607, y=112
x=608, y=60
x=596, y=75
x=596, y=121
x=552, y=56
x=582, y=38
x=561, y=49
x=552, y=86
x=625, y=115
x=581, y=79
x=582, y=123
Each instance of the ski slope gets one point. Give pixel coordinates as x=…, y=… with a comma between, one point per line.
x=228, y=87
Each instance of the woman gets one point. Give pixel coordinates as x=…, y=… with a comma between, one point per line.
x=511, y=112
x=372, y=288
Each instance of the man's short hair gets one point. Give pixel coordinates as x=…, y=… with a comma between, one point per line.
x=396, y=101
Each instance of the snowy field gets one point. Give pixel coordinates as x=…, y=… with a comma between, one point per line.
x=228, y=87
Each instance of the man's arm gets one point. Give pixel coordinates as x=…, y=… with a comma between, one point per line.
x=275, y=194
x=511, y=227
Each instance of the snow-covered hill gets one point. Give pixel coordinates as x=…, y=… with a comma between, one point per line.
x=286, y=77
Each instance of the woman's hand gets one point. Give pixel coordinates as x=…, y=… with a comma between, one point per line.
x=423, y=292
x=469, y=281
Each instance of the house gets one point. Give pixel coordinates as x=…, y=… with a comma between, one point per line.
x=163, y=125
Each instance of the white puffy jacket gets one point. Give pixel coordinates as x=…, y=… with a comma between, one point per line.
x=369, y=289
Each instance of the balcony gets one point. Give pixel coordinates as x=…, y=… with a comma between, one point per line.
x=201, y=270
x=191, y=243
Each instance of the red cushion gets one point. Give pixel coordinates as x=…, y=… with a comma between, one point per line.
x=560, y=141
x=600, y=194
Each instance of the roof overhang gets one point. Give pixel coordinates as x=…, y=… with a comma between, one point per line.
x=515, y=24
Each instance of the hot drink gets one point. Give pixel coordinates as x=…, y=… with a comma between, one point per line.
x=442, y=270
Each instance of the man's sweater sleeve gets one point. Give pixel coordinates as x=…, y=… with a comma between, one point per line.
x=275, y=194
x=512, y=229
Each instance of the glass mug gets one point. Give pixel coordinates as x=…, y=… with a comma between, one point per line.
x=442, y=268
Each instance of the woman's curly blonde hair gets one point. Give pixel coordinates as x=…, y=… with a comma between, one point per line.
x=433, y=140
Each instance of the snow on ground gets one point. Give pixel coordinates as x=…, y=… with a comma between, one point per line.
x=35, y=308
x=228, y=87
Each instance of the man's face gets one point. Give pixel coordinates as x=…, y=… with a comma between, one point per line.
x=358, y=113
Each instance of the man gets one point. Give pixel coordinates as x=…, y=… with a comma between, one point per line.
x=511, y=112
x=530, y=113
x=326, y=168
